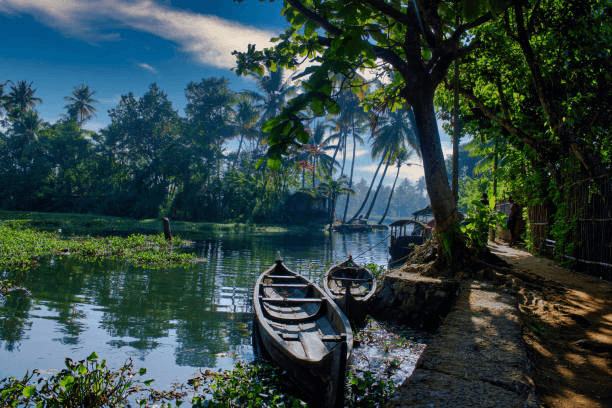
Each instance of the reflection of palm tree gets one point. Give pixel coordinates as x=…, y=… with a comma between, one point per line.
x=80, y=107
x=20, y=98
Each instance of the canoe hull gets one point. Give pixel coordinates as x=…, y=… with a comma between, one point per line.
x=305, y=333
x=352, y=287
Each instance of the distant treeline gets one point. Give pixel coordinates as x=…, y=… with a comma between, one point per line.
x=151, y=162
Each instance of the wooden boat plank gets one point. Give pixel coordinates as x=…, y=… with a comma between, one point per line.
x=286, y=300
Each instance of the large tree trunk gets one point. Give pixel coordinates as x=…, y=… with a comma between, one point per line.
x=440, y=195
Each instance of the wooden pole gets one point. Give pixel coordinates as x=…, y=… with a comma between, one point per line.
x=167, y=233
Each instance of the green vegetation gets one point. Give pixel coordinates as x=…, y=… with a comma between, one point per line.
x=21, y=246
x=86, y=383
x=91, y=383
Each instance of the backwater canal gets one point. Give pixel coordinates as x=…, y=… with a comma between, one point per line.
x=170, y=321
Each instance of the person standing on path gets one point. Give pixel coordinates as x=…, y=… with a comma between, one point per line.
x=512, y=223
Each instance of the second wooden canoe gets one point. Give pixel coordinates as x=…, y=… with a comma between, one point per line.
x=352, y=287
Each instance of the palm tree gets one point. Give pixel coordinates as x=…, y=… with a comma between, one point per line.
x=316, y=147
x=80, y=108
x=2, y=85
x=395, y=131
x=247, y=115
x=350, y=122
x=332, y=189
x=276, y=91
x=27, y=126
x=20, y=98
x=400, y=158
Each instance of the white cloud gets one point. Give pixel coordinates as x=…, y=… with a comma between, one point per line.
x=147, y=67
x=208, y=38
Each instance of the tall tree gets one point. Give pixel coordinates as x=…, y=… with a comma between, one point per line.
x=400, y=158
x=80, y=109
x=20, y=98
x=350, y=122
x=143, y=136
x=245, y=121
x=394, y=134
x=417, y=40
x=332, y=189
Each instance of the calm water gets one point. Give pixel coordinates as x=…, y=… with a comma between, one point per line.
x=170, y=321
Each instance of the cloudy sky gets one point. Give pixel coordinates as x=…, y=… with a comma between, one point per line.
x=122, y=46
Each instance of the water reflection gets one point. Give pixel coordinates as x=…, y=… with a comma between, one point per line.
x=171, y=320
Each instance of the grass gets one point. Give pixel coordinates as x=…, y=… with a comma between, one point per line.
x=98, y=225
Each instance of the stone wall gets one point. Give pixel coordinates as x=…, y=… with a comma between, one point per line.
x=414, y=300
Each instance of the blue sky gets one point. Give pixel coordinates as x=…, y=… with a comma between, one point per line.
x=121, y=46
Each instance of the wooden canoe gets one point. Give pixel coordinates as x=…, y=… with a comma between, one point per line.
x=352, y=287
x=304, y=332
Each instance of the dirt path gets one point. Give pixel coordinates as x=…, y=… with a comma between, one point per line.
x=567, y=319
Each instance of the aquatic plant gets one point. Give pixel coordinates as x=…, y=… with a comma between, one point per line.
x=21, y=248
x=85, y=383
x=247, y=385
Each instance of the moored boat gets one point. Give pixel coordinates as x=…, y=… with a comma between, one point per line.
x=352, y=287
x=303, y=331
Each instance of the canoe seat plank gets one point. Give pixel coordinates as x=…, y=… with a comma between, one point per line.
x=285, y=285
x=290, y=336
x=333, y=337
x=361, y=280
x=289, y=300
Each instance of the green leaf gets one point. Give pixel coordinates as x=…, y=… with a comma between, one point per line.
x=29, y=391
x=274, y=163
x=93, y=356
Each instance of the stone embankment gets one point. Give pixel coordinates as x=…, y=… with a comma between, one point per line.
x=477, y=357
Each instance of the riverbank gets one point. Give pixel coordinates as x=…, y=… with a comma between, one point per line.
x=94, y=225
x=537, y=335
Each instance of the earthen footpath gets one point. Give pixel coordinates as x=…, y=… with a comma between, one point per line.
x=477, y=357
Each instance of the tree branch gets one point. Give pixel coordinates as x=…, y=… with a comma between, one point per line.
x=389, y=11
x=311, y=15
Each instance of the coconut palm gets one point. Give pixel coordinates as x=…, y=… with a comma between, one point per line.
x=20, y=98
x=80, y=108
x=400, y=158
x=395, y=132
x=2, y=85
x=27, y=126
x=350, y=123
x=332, y=189
x=248, y=112
x=317, y=148
x=276, y=90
